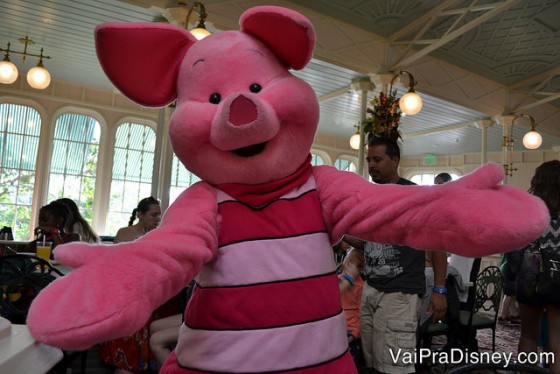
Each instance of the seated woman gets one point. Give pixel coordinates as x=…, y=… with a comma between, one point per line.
x=164, y=332
x=132, y=353
x=148, y=212
x=77, y=224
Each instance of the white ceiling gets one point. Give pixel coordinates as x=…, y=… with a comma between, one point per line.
x=474, y=60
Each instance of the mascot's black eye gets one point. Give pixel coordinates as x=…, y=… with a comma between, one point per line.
x=215, y=98
x=255, y=88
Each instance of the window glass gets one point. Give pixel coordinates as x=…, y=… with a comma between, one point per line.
x=133, y=164
x=20, y=127
x=181, y=179
x=75, y=149
x=317, y=160
x=346, y=165
x=427, y=178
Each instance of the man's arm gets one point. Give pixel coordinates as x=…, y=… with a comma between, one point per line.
x=354, y=242
x=438, y=301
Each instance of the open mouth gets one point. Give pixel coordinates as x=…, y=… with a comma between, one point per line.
x=251, y=150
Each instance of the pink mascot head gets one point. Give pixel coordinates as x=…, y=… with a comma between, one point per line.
x=239, y=116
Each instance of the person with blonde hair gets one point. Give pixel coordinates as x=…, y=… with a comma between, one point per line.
x=351, y=286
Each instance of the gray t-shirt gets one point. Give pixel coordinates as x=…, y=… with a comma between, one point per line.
x=395, y=268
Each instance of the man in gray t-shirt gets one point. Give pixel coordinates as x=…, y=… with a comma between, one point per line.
x=394, y=285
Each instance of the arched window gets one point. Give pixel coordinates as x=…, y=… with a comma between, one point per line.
x=133, y=165
x=317, y=160
x=346, y=165
x=181, y=179
x=74, y=160
x=20, y=127
x=427, y=178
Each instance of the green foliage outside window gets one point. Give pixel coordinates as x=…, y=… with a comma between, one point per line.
x=20, y=127
x=74, y=161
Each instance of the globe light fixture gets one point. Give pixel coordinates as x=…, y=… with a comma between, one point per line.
x=410, y=103
x=8, y=71
x=38, y=77
x=532, y=139
x=200, y=32
x=355, y=140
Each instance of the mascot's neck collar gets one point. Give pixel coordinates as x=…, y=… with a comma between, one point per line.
x=260, y=194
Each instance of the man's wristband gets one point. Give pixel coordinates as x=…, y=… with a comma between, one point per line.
x=440, y=290
x=348, y=278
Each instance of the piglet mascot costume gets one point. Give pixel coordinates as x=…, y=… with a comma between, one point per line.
x=257, y=232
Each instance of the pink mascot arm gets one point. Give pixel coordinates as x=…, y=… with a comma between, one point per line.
x=114, y=288
x=473, y=216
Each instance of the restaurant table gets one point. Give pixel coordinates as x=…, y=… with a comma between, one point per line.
x=21, y=354
x=8, y=247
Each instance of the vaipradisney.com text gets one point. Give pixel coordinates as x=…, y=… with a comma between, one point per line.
x=457, y=356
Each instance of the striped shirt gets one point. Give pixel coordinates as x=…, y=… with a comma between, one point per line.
x=269, y=301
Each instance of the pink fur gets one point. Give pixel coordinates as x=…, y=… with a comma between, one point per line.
x=113, y=289
x=143, y=59
x=94, y=302
x=473, y=216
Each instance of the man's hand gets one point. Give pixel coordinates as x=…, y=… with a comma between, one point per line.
x=438, y=305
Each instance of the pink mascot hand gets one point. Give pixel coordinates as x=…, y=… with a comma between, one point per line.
x=113, y=289
x=487, y=176
x=473, y=216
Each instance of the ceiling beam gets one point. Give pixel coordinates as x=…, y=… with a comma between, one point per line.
x=334, y=94
x=455, y=126
x=448, y=36
x=552, y=97
x=547, y=75
x=420, y=22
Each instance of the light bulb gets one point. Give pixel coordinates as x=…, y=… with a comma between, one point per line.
x=8, y=72
x=355, y=141
x=532, y=140
x=410, y=103
x=38, y=77
x=200, y=33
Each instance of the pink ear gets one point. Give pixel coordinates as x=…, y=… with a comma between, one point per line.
x=142, y=59
x=287, y=33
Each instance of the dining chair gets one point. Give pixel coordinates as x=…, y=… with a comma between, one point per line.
x=484, y=311
x=449, y=325
x=474, y=270
x=22, y=277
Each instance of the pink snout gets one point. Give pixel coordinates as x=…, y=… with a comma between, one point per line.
x=242, y=111
x=243, y=120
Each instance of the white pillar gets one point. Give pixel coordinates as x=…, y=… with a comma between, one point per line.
x=484, y=125
x=363, y=86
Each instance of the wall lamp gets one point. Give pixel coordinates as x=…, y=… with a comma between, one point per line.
x=532, y=139
x=355, y=139
x=199, y=32
x=410, y=103
x=38, y=77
